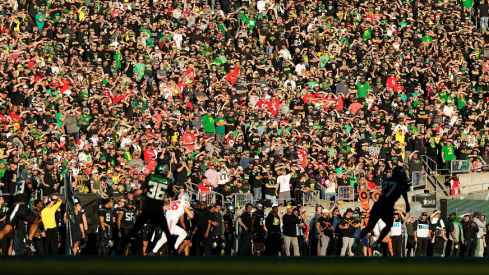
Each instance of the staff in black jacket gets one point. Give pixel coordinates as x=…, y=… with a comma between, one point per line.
x=470, y=236
x=246, y=223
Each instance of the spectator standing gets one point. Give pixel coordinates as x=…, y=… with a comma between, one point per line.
x=290, y=223
x=348, y=226
x=455, y=237
x=410, y=243
x=50, y=225
x=480, y=235
x=325, y=230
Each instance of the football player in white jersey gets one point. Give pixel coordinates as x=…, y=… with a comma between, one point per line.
x=174, y=211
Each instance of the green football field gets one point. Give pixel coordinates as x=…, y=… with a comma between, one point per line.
x=233, y=266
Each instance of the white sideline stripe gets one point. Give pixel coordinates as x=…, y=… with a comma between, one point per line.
x=14, y=212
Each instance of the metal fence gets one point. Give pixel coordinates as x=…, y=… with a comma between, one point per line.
x=310, y=198
x=418, y=179
x=241, y=199
x=208, y=197
x=459, y=166
x=345, y=193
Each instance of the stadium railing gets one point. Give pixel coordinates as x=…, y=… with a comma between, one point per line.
x=208, y=197
x=418, y=179
x=241, y=199
x=345, y=193
x=459, y=166
x=310, y=198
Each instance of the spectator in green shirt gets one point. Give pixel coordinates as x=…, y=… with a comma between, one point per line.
x=448, y=153
x=139, y=68
x=221, y=127
x=362, y=88
x=209, y=124
x=251, y=21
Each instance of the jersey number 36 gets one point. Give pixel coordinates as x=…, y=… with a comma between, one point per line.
x=157, y=190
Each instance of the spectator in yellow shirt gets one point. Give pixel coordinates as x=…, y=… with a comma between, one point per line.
x=48, y=215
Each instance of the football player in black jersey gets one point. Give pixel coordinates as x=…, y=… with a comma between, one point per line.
x=125, y=218
x=106, y=219
x=157, y=186
x=393, y=187
x=229, y=230
x=258, y=219
x=19, y=210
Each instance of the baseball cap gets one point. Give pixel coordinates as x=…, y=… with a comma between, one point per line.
x=458, y=216
x=349, y=210
x=424, y=214
x=476, y=213
x=274, y=205
x=325, y=211
x=288, y=206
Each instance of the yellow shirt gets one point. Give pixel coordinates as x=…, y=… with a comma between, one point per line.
x=48, y=216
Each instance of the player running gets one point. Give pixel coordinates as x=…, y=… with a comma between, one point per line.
x=393, y=187
x=157, y=187
x=19, y=210
x=175, y=211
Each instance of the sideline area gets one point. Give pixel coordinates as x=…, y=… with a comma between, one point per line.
x=246, y=265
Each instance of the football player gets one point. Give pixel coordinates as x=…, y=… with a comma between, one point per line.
x=158, y=186
x=393, y=187
x=176, y=210
x=19, y=210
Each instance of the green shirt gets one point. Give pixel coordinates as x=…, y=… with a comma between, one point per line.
x=209, y=124
x=58, y=119
x=220, y=129
x=448, y=152
x=251, y=23
x=139, y=69
x=362, y=89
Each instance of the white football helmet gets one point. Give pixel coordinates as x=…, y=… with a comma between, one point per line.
x=184, y=197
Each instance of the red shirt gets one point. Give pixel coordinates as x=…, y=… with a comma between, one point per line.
x=147, y=154
x=273, y=106
x=392, y=83
x=371, y=185
x=262, y=104
x=204, y=188
x=233, y=76
x=189, y=139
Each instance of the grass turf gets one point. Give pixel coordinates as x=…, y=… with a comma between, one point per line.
x=234, y=266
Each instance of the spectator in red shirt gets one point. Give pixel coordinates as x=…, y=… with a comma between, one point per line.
x=189, y=139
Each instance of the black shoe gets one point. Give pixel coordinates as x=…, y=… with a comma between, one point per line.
x=28, y=245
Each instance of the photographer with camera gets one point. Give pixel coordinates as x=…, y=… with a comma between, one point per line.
x=438, y=240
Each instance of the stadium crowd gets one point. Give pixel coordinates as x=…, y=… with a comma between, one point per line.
x=239, y=96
